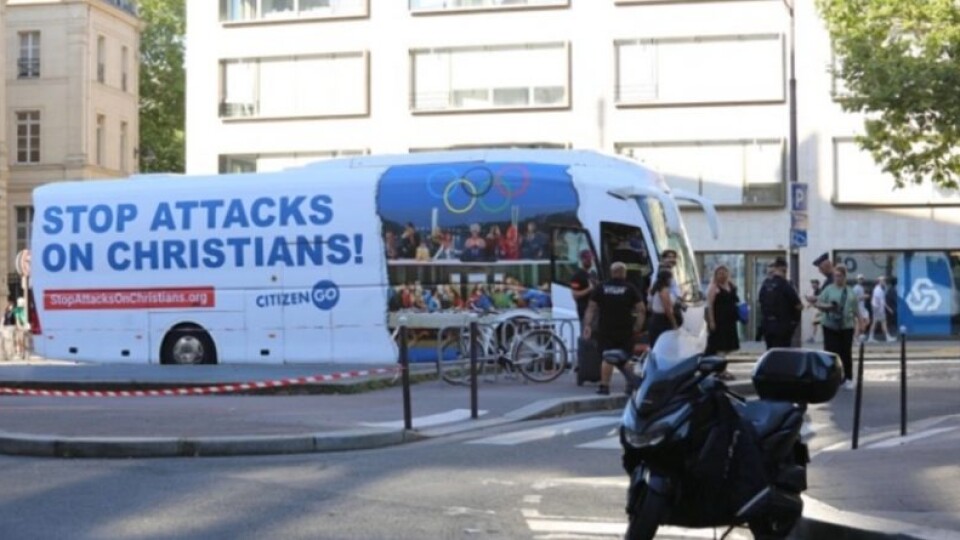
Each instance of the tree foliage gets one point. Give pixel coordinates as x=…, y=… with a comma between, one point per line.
x=900, y=63
x=162, y=81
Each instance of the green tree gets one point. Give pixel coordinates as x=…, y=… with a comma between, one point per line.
x=162, y=80
x=900, y=62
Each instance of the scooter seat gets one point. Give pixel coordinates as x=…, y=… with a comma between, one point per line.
x=768, y=416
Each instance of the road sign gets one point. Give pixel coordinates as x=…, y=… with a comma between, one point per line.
x=798, y=238
x=22, y=263
x=798, y=197
x=799, y=221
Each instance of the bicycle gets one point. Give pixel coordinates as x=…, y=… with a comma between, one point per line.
x=519, y=345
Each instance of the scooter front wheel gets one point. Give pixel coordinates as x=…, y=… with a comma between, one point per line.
x=646, y=514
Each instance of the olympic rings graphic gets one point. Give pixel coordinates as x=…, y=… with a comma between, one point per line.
x=477, y=184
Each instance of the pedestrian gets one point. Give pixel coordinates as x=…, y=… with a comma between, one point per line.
x=860, y=291
x=722, y=316
x=815, y=288
x=841, y=316
x=22, y=328
x=583, y=283
x=780, y=307
x=9, y=331
x=663, y=302
x=878, y=301
x=617, y=309
x=892, y=301
x=825, y=265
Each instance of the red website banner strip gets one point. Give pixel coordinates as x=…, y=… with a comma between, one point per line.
x=158, y=297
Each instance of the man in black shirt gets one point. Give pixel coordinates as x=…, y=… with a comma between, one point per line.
x=619, y=308
x=583, y=283
x=780, y=307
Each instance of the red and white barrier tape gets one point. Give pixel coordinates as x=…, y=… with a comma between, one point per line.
x=199, y=390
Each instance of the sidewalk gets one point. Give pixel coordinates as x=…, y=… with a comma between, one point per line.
x=905, y=488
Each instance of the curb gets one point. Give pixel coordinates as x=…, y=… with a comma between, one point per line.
x=20, y=444
x=829, y=522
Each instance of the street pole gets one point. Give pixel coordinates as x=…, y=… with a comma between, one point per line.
x=794, y=173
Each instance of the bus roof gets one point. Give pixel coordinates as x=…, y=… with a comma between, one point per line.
x=160, y=182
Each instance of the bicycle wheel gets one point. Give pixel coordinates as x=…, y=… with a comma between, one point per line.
x=455, y=359
x=539, y=355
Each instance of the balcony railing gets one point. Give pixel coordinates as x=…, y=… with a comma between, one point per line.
x=445, y=5
x=237, y=110
x=28, y=68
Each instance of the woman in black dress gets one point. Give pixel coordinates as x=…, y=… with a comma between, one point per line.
x=722, y=315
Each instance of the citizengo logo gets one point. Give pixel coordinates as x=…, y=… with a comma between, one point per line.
x=325, y=295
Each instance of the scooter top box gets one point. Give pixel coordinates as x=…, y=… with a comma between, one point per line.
x=798, y=375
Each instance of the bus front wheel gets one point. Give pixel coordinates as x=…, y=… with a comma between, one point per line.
x=188, y=345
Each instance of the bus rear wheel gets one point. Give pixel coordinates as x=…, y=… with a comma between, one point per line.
x=188, y=345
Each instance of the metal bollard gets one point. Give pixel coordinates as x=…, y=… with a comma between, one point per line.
x=405, y=374
x=474, y=408
x=858, y=398
x=903, y=381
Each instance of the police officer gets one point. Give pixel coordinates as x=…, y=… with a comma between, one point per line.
x=621, y=310
x=780, y=307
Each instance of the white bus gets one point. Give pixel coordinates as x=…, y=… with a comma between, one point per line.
x=318, y=264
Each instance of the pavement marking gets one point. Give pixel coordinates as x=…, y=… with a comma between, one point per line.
x=532, y=499
x=607, y=443
x=455, y=415
x=891, y=443
x=547, y=432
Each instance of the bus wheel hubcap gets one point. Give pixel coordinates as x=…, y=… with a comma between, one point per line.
x=188, y=350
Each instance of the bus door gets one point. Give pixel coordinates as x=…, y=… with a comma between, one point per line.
x=626, y=244
x=265, y=296
x=565, y=260
x=311, y=296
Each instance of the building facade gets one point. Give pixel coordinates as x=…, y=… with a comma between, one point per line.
x=698, y=90
x=71, y=102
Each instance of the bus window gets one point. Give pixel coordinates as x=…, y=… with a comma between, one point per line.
x=567, y=245
x=686, y=270
x=625, y=243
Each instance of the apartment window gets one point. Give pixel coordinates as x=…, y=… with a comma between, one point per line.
x=123, y=146
x=272, y=10
x=735, y=173
x=269, y=162
x=303, y=86
x=859, y=180
x=28, y=136
x=24, y=225
x=496, y=77
x=700, y=70
x=28, y=63
x=101, y=59
x=124, y=53
x=101, y=134
x=419, y=6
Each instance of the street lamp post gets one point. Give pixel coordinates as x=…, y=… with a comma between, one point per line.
x=793, y=166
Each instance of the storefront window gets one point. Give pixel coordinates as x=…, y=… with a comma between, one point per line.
x=923, y=287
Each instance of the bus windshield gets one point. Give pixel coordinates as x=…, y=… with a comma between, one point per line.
x=663, y=239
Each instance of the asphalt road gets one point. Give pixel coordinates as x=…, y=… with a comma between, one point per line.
x=551, y=479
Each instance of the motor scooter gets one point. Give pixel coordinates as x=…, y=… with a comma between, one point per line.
x=699, y=455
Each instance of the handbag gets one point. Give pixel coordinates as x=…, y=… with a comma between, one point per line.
x=678, y=310
x=743, y=312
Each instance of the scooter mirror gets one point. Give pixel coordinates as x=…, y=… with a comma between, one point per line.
x=711, y=364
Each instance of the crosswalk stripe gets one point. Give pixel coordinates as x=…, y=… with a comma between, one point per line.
x=607, y=443
x=455, y=415
x=547, y=432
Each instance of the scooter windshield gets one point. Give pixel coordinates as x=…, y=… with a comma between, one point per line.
x=671, y=349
